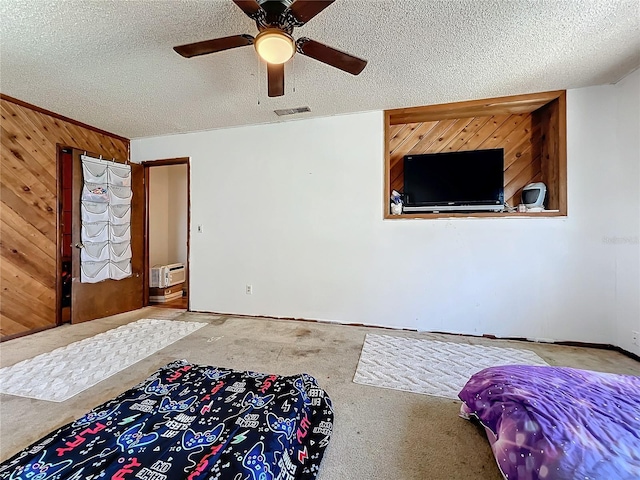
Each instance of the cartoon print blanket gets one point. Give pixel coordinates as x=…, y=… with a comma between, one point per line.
x=190, y=422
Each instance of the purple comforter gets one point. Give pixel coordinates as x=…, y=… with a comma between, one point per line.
x=558, y=423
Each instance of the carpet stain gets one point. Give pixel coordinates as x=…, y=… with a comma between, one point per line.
x=218, y=321
x=303, y=332
x=307, y=353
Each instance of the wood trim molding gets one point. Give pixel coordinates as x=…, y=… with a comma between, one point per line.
x=145, y=226
x=562, y=152
x=188, y=235
x=431, y=216
x=61, y=117
x=160, y=163
x=387, y=166
x=145, y=265
x=25, y=333
x=59, y=152
x=513, y=104
x=600, y=346
x=627, y=353
x=165, y=161
x=538, y=115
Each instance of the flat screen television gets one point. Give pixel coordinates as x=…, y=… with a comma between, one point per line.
x=454, y=181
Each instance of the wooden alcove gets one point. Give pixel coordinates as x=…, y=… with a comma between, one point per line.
x=530, y=128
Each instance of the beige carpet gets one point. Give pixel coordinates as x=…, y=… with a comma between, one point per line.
x=379, y=434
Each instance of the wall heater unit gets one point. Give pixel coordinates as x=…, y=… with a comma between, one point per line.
x=163, y=276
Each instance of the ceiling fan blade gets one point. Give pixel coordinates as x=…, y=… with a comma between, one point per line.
x=275, y=78
x=331, y=56
x=250, y=7
x=212, y=46
x=305, y=10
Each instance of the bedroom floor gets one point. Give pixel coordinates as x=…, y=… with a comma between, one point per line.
x=379, y=434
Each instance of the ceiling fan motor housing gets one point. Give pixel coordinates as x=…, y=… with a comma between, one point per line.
x=276, y=14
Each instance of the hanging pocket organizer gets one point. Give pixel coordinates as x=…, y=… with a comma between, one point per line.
x=93, y=172
x=119, y=175
x=120, y=233
x=95, y=232
x=119, y=270
x=119, y=214
x=95, y=251
x=95, y=192
x=93, y=272
x=106, y=216
x=94, y=212
x=120, y=195
x=120, y=251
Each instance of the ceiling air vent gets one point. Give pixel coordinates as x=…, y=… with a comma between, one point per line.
x=291, y=111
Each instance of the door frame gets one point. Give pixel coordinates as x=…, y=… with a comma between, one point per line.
x=163, y=162
x=59, y=233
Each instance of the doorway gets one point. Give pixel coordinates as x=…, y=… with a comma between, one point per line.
x=167, y=229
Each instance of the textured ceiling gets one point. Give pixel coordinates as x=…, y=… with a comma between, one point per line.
x=111, y=64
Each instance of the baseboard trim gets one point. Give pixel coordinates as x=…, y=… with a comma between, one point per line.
x=601, y=346
x=566, y=343
x=626, y=353
x=310, y=320
x=24, y=334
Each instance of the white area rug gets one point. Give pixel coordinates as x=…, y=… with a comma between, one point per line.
x=428, y=366
x=67, y=371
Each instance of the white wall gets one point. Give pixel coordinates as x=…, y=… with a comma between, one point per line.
x=158, y=216
x=168, y=214
x=625, y=240
x=177, y=212
x=295, y=209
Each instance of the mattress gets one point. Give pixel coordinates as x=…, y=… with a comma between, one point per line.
x=190, y=422
x=558, y=423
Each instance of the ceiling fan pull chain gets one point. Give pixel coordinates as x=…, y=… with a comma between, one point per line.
x=258, y=76
x=293, y=73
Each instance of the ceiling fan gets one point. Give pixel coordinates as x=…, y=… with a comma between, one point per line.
x=274, y=43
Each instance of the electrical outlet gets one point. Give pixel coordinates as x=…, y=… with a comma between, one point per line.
x=249, y=290
x=635, y=337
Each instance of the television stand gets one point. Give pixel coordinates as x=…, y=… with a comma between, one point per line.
x=452, y=208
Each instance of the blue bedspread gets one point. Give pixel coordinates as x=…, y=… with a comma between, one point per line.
x=190, y=422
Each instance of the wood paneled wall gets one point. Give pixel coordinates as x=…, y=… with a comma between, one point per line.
x=29, y=208
x=517, y=134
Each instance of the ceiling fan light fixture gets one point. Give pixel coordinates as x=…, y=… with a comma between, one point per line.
x=275, y=46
